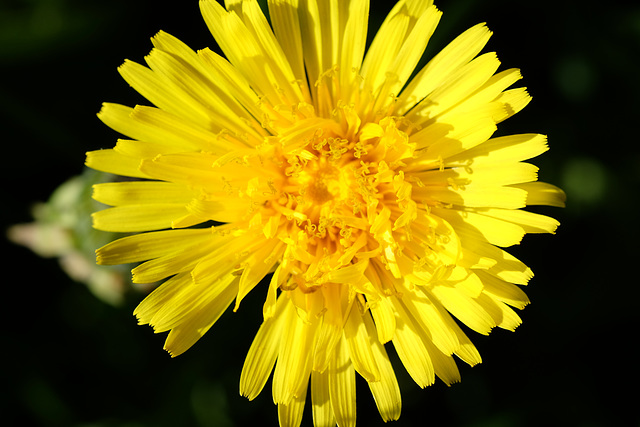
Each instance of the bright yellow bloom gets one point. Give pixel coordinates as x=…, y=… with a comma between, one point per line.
x=377, y=204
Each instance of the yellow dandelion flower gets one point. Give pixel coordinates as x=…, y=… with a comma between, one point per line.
x=377, y=204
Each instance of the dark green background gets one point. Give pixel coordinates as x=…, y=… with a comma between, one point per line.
x=71, y=360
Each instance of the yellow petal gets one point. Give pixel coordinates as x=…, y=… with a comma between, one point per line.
x=348, y=274
x=173, y=263
x=158, y=126
x=386, y=392
x=411, y=349
x=377, y=61
x=503, y=291
x=503, y=316
x=198, y=170
x=476, y=176
x=164, y=293
x=170, y=44
x=290, y=415
x=529, y=221
x=198, y=90
x=258, y=58
x=428, y=317
x=294, y=362
x=256, y=22
x=342, y=386
x=188, y=324
x=382, y=312
x=185, y=305
x=142, y=150
x=219, y=76
x=278, y=277
x=220, y=210
x=443, y=364
x=262, y=354
x=513, y=101
x=113, y=162
x=465, y=350
x=471, y=225
x=460, y=51
x=330, y=329
x=452, y=137
x=505, y=266
x=141, y=192
x=136, y=218
x=541, y=193
x=465, y=308
x=488, y=92
x=227, y=256
x=353, y=44
x=229, y=78
x=312, y=26
x=414, y=45
x=466, y=281
x=140, y=247
x=505, y=149
x=286, y=27
x=322, y=410
x=162, y=92
x=360, y=345
x=440, y=363
x=258, y=265
x=498, y=197
x=182, y=135
x=396, y=29
x=117, y=117
x=456, y=88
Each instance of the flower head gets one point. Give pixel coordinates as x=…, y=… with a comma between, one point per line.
x=377, y=203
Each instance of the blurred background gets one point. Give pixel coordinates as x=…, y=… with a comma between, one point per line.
x=73, y=355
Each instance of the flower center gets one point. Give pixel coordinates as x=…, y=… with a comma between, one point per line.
x=321, y=182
